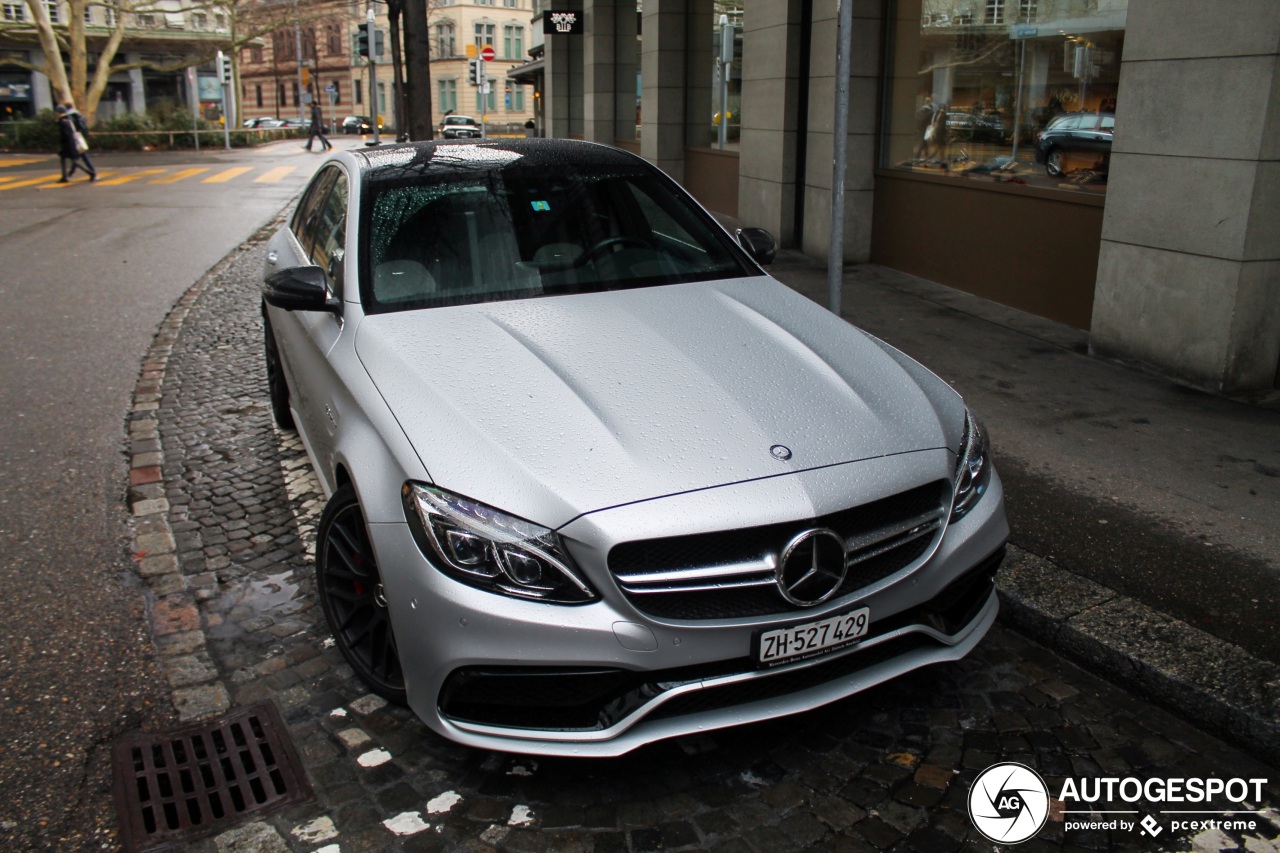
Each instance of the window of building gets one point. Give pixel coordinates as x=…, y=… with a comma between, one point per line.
x=51, y=9
x=359, y=90
x=484, y=34
x=1004, y=100
x=255, y=53
x=516, y=104
x=199, y=21
x=14, y=12
x=448, y=95
x=308, y=42
x=109, y=15
x=219, y=20
x=512, y=42
x=333, y=39
x=88, y=14
x=511, y=4
x=283, y=46
x=484, y=2
x=445, y=45
x=146, y=20
x=297, y=99
x=257, y=90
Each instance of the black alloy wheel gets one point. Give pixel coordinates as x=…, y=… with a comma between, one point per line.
x=353, y=598
x=277, y=387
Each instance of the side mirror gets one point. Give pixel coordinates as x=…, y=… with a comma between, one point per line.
x=299, y=289
x=759, y=244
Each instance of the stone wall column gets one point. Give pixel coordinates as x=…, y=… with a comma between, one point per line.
x=663, y=72
x=1189, y=267
x=771, y=46
x=598, y=61
x=864, y=86
x=562, y=76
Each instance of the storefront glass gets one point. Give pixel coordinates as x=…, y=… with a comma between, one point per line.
x=1017, y=91
x=716, y=107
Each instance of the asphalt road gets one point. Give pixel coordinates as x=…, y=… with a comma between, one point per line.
x=89, y=272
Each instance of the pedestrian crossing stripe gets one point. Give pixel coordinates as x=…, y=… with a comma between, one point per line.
x=22, y=161
x=180, y=176
x=274, y=175
x=227, y=175
x=124, y=179
x=31, y=182
x=77, y=181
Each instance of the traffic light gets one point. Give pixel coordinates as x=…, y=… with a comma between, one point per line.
x=476, y=73
x=362, y=39
x=224, y=67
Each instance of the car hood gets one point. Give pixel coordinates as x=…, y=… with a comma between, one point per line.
x=550, y=408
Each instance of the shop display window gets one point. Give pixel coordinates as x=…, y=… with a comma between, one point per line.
x=1016, y=91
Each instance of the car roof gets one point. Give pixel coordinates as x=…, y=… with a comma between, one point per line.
x=390, y=162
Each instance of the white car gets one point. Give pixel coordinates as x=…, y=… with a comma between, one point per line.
x=594, y=478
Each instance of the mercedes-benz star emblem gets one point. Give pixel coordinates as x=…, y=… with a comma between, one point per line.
x=780, y=451
x=812, y=567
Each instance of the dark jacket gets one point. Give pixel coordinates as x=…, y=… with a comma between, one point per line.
x=67, y=137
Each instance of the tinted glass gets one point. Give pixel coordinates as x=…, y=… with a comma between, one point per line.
x=513, y=232
x=329, y=233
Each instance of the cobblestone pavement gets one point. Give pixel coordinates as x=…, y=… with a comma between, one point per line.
x=224, y=510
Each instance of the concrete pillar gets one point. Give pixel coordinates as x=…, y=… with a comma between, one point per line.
x=1189, y=267
x=562, y=74
x=699, y=60
x=864, y=86
x=626, y=64
x=663, y=72
x=137, y=87
x=598, y=58
x=770, y=90
x=42, y=94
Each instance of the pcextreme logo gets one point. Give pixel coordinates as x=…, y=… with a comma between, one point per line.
x=1009, y=803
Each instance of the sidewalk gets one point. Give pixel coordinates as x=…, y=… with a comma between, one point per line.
x=1145, y=515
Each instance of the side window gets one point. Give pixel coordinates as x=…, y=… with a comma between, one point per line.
x=303, y=224
x=328, y=244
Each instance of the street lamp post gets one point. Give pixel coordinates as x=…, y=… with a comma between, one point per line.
x=373, y=76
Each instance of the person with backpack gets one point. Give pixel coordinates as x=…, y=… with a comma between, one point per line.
x=73, y=144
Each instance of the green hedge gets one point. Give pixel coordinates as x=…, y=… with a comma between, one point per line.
x=159, y=128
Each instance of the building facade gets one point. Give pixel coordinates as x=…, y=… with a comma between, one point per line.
x=168, y=34
x=1110, y=164
x=458, y=31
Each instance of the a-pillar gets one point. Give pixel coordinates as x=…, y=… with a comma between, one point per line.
x=1189, y=268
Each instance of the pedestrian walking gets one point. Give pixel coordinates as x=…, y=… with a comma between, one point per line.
x=73, y=143
x=317, y=128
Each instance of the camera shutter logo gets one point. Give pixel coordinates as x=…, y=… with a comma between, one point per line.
x=1008, y=803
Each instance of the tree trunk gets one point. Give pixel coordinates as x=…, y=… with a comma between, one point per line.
x=417, y=54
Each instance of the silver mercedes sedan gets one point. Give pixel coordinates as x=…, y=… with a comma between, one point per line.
x=594, y=478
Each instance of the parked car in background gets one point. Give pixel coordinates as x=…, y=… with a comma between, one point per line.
x=1085, y=136
x=459, y=127
x=358, y=124
x=262, y=122
x=593, y=477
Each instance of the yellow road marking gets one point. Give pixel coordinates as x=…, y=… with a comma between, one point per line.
x=76, y=180
x=23, y=162
x=30, y=182
x=180, y=176
x=124, y=179
x=229, y=174
x=274, y=175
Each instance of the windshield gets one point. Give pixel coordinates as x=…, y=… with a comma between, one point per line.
x=512, y=231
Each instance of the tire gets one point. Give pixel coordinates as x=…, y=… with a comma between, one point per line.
x=277, y=386
x=1053, y=162
x=352, y=597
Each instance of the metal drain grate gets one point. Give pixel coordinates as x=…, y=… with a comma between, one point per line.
x=200, y=779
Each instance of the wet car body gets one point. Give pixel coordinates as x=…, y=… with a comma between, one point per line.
x=627, y=492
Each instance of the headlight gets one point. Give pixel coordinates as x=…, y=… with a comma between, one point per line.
x=490, y=550
x=973, y=468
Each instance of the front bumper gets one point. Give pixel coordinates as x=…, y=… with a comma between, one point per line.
x=602, y=679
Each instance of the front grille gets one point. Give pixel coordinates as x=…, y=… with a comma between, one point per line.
x=584, y=700
x=729, y=574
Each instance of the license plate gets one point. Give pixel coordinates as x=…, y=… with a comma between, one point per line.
x=811, y=639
